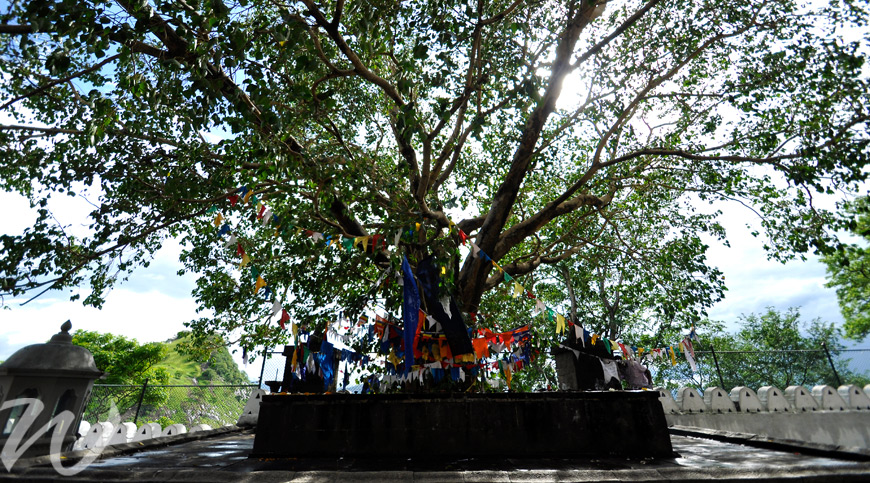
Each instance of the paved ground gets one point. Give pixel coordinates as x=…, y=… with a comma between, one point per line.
x=223, y=457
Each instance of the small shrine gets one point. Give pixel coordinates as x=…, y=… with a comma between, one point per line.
x=57, y=374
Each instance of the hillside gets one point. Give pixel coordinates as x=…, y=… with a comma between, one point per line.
x=219, y=369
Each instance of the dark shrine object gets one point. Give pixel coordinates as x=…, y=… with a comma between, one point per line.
x=548, y=424
x=311, y=382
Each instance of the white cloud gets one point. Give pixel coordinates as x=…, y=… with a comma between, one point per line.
x=147, y=317
x=755, y=283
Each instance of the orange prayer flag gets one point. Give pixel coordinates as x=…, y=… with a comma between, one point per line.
x=481, y=348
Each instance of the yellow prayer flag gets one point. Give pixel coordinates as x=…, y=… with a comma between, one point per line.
x=443, y=270
x=639, y=351
x=218, y=219
x=673, y=356
x=245, y=260
x=518, y=289
x=560, y=324
x=418, y=227
x=594, y=338
x=259, y=284
x=248, y=196
x=298, y=230
x=356, y=241
x=365, y=242
x=393, y=358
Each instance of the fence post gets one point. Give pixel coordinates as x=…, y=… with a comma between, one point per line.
x=831, y=361
x=139, y=404
x=263, y=368
x=718, y=371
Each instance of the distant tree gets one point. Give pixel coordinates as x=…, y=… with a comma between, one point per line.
x=223, y=368
x=216, y=361
x=124, y=360
x=128, y=364
x=849, y=270
x=771, y=349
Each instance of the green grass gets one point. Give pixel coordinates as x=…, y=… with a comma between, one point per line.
x=220, y=369
x=181, y=369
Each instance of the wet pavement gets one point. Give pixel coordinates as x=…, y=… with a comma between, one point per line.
x=225, y=458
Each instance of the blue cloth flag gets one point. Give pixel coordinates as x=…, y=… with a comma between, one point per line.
x=410, y=311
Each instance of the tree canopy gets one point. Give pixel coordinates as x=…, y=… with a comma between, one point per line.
x=849, y=270
x=124, y=360
x=543, y=131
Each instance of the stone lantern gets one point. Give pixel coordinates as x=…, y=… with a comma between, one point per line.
x=57, y=373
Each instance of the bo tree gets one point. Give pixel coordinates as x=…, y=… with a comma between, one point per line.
x=638, y=277
x=849, y=270
x=528, y=123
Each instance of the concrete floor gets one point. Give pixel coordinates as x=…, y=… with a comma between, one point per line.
x=223, y=457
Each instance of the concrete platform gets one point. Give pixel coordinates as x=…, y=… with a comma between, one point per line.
x=224, y=458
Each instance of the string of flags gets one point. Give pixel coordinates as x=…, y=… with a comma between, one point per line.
x=482, y=346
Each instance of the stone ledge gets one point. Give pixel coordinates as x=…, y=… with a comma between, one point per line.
x=805, y=447
x=71, y=457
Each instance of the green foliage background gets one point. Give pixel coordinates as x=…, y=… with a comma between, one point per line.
x=129, y=364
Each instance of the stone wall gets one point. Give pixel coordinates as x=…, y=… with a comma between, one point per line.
x=823, y=415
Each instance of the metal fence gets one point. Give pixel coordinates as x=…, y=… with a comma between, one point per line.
x=272, y=368
x=215, y=405
x=754, y=369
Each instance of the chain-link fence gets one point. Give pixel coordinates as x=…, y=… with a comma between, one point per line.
x=215, y=405
x=272, y=368
x=754, y=369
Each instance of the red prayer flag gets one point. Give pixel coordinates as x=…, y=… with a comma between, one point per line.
x=284, y=318
x=240, y=251
x=375, y=239
x=462, y=237
x=507, y=338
